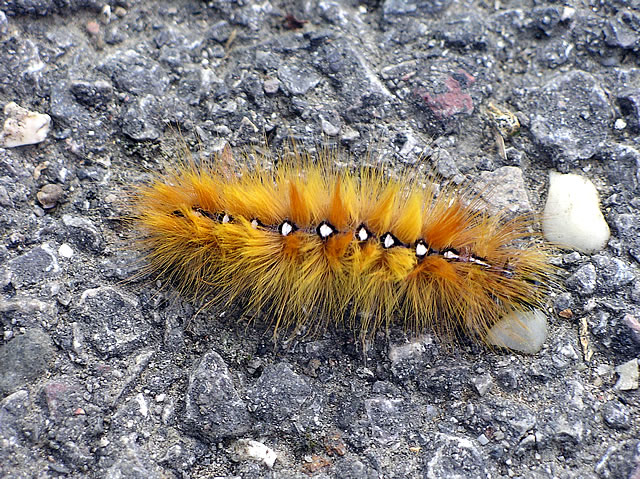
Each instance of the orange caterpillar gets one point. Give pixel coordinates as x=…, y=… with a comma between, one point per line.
x=309, y=244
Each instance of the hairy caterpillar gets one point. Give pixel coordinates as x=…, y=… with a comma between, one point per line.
x=308, y=243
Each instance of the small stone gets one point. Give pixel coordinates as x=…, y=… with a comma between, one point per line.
x=349, y=134
x=482, y=439
x=570, y=116
x=572, y=216
x=583, y=280
x=616, y=415
x=279, y=395
x=391, y=8
x=83, y=233
x=34, y=267
x=620, y=460
x=329, y=128
x=105, y=14
x=23, y=127
x=248, y=449
x=142, y=120
x=523, y=331
x=65, y=251
x=444, y=447
x=623, y=30
x=507, y=190
x=93, y=94
x=271, y=86
x=49, y=195
x=213, y=408
x=482, y=383
x=135, y=73
x=615, y=272
x=628, y=376
x=24, y=359
x=112, y=321
x=298, y=81
x=567, y=432
x=563, y=302
x=635, y=292
x=620, y=124
x=572, y=258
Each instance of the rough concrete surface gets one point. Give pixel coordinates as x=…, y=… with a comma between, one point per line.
x=106, y=373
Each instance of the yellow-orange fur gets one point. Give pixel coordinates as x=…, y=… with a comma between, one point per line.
x=302, y=280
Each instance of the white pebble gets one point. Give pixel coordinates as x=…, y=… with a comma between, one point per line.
x=523, y=331
x=23, y=127
x=142, y=403
x=244, y=449
x=628, y=376
x=65, y=251
x=572, y=216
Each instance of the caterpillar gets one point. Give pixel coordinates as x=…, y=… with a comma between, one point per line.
x=308, y=244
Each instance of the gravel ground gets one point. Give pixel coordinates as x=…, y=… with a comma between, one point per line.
x=104, y=376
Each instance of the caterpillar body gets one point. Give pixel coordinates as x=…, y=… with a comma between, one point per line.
x=308, y=244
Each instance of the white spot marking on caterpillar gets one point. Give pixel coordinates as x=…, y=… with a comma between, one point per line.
x=325, y=230
x=388, y=241
x=286, y=228
x=362, y=234
x=421, y=250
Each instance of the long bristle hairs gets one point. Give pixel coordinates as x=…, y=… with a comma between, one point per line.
x=307, y=244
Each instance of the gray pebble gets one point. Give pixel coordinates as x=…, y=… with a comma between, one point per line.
x=351, y=468
x=73, y=423
x=141, y=121
x=568, y=432
x=213, y=408
x=83, y=233
x=616, y=415
x=615, y=273
x=16, y=372
x=387, y=417
x=443, y=447
x=583, y=280
x=112, y=320
x=33, y=267
x=92, y=93
x=620, y=460
x=135, y=73
x=570, y=115
x=271, y=86
x=402, y=7
x=623, y=30
x=482, y=384
x=281, y=398
x=4, y=23
x=562, y=301
x=298, y=80
x=507, y=191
